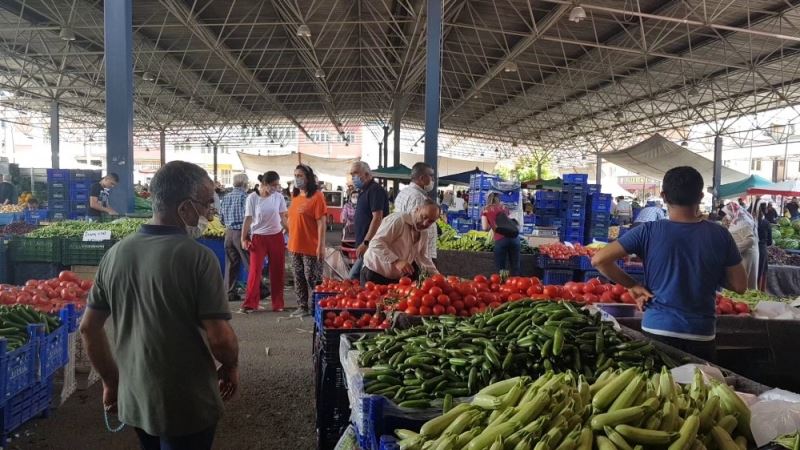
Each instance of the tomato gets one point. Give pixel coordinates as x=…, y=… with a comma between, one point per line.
x=540, y=297
x=726, y=306
x=438, y=279
x=452, y=280
x=607, y=297
x=627, y=298
x=67, y=275
x=535, y=289
x=523, y=284
x=470, y=301
x=600, y=289
x=425, y=311
x=494, y=305
x=438, y=310
x=515, y=297
x=348, y=324
x=594, y=282
x=467, y=289
x=535, y=281
x=412, y=311
x=458, y=305
x=618, y=290
x=741, y=307
x=371, y=304
x=435, y=291
x=428, y=300
x=31, y=283
x=405, y=281
x=480, y=279
x=402, y=305
x=495, y=278
x=385, y=325
x=443, y=300
x=345, y=314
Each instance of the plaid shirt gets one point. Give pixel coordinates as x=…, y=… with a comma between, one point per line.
x=650, y=214
x=231, y=211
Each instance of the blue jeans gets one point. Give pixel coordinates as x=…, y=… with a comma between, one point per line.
x=355, y=271
x=507, y=249
x=201, y=440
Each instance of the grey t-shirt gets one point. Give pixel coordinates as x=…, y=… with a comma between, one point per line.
x=158, y=285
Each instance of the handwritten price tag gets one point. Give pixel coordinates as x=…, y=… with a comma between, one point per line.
x=96, y=235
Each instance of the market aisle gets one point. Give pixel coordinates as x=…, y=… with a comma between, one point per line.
x=275, y=411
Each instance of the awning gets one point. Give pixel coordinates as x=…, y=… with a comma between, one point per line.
x=399, y=172
x=461, y=179
x=448, y=166
x=327, y=169
x=738, y=188
x=788, y=187
x=656, y=155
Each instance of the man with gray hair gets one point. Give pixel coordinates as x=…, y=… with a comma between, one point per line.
x=163, y=292
x=415, y=196
x=372, y=206
x=231, y=214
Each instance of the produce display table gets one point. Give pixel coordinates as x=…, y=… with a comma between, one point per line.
x=763, y=350
x=469, y=264
x=783, y=281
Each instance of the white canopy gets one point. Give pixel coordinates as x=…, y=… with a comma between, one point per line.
x=331, y=170
x=615, y=190
x=654, y=156
x=449, y=166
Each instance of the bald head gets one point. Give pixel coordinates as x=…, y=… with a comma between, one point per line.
x=426, y=215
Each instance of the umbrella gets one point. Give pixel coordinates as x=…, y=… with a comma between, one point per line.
x=398, y=172
x=741, y=187
x=788, y=187
x=460, y=178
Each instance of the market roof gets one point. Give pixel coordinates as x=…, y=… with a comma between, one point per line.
x=533, y=75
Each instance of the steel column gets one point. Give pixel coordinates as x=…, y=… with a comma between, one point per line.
x=54, y=142
x=386, y=145
x=396, y=152
x=598, y=175
x=118, y=30
x=380, y=154
x=433, y=75
x=162, y=147
x=717, y=169
x=215, y=162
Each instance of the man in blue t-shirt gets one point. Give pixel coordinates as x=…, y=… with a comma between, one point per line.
x=372, y=206
x=686, y=259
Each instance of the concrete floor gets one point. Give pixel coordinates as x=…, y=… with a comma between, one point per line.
x=275, y=409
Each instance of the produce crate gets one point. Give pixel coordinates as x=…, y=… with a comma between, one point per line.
x=569, y=187
x=84, y=175
x=576, y=178
x=319, y=315
x=58, y=215
x=546, y=262
x=80, y=185
x=31, y=403
x=35, y=249
x=7, y=218
x=464, y=226
x=478, y=198
x=527, y=229
x=510, y=196
x=388, y=443
x=582, y=262
x=19, y=366
x=54, y=348
x=332, y=411
x=79, y=196
x=543, y=196
x=34, y=217
x=601, y=202
x=548, y=221
x=558, y=277
x=482, y=181
x=58, y=205
x=376, y=424
x=22, y=272
x=574, y=212
x=569, y=199
x=218, y=247
x=573, y=237
x=78, y=252
x=528, y=219
x=603, y=218
x=5, y=276
x=79, y=208
x=592, y=189
x=598, y=234
x=58, y=175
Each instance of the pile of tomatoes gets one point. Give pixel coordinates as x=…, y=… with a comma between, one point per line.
x=729, y=307
x=48, y=296
x=346, y=320
x=562, y=251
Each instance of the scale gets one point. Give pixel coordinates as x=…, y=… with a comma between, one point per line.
x=543, y=235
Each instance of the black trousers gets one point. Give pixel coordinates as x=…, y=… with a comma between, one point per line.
x=370, y=275
x=706, y=350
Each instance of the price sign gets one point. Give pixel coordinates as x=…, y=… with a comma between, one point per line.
x=96, y=235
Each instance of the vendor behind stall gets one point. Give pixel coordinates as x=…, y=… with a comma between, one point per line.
x=686, y=259
x=98, y=196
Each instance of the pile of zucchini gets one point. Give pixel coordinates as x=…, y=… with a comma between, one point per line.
x=457, y=357
x=625, y=410
x=14, y=321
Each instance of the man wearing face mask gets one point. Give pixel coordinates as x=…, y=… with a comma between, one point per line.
x=164, y=294
x=399, y=248
x=416, y=195
x=371, y=208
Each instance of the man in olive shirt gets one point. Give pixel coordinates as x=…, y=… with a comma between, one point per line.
x=165, y=296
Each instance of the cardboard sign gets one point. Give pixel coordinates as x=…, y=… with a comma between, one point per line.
x=96, y=235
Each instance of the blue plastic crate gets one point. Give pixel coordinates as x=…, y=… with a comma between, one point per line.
x=7, y=218
x=79, y=196
x=28, y=404
x=218, y=247
x=527, y=229
x=58, y=215
x=546, y=262
x=573, y=224
x=19, y=366
x=482, y=181
x=569, y=187
x=575, y=178
x=573, y=237
x=548, y=204
x=61, y=175
x=478, y=198
x=599, y=218
x=376, y=423
x=319, y=316
x=630, y=267
x=546, y=195
x=84, y=175
x=56, y=194
x=33, y=217
x=317, y=296
x=80, y=185
x=510, y=197
x=465, y=226
x=388, y=442
x=528, y=219
x=54, y=348
x=582, y=262
x=593, y=189
x=601, y=202
x=558, y=277
x=591, y=274
x=58, y=205
x=575, y=212
x=573, y=198
x=58, y=184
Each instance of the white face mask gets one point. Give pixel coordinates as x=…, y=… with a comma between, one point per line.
x=196, y=231
x=429, y=187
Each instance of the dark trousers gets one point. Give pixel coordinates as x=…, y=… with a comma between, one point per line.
x=370, y=275
x=706, y=350
x=197, y=441
x=507, y=249
x=235, y=258
x=763, y=258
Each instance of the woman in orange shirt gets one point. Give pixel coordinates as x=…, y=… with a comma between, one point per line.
x=307, y=214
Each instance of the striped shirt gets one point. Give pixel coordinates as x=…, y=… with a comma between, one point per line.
x=231, y=211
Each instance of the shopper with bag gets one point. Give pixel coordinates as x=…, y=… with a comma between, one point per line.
x=495, y=218
x=745, y=233
x=262, y=236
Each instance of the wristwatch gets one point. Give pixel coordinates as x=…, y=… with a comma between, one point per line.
x=365, y=242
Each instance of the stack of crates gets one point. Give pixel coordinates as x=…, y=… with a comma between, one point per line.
x=573, y=207
x=480, y=185
x=598, y=211
x=548, y=209
x=68, y=192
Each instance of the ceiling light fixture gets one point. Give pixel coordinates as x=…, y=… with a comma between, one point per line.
x=619, y=115
x=304, y=31
x=684, y=144
x=577, y=14
x=693, y=91
x=319, y=73
x=66, y=34
x=511, y=66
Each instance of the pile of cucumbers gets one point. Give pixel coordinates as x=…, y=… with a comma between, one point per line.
x=624, y=410
x=14, y=321
x=457, y=357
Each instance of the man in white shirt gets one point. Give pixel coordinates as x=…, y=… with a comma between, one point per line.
x=399, y=248
x=415, y=195
x=459, y=202
x=624, y=211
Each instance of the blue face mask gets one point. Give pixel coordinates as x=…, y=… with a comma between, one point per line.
x=357, y=183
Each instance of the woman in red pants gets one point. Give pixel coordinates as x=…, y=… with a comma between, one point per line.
x=262, y=234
